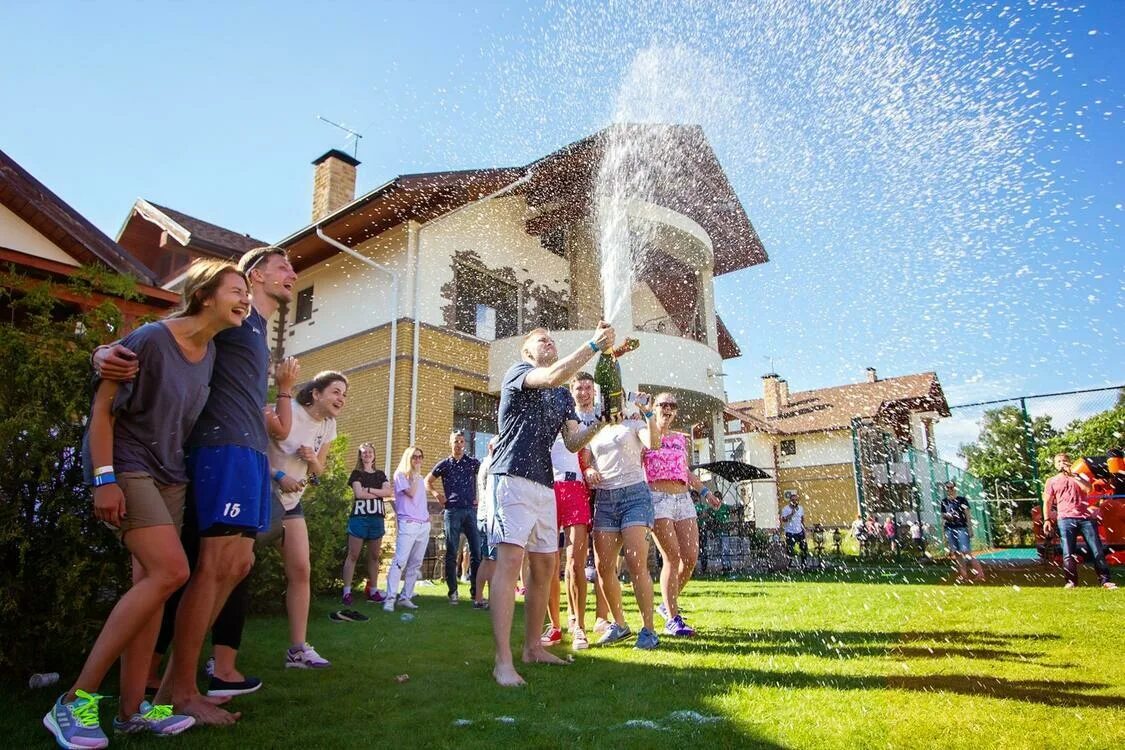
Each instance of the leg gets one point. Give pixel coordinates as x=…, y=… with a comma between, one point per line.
x=226, y=633
x=355, y=546
x=554, y=593
x=295, y=551
x=606, y=546
x=472, y=534
x=1097, y=552
x=223, y=562
x=601, y=605
x=502, y=602
x=668, y=542
x=636, y=558
x=687, y=534
x=1068, y=536
x=452, y=542
x=576, y=574
x=544, y=569
x=421, y=539
x=803, y=542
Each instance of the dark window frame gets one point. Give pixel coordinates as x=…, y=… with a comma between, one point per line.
x=303, y=305
x=788, y=447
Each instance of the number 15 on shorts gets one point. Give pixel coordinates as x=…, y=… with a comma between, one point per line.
x=231, y=510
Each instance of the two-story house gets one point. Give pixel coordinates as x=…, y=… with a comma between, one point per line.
x=842, y=450
x=421, y=289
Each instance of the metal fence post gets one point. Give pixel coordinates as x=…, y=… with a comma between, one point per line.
x=1032, y=451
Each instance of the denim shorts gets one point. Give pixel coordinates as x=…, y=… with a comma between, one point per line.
x=619, y=509
x=958, y=539
x=367, y=527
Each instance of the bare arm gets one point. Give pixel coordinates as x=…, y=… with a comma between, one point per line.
x=109, y=501
x=566, y=367
x=576, y=438
x=115, y=362
x=318, y=460
x=439, y=494
x=279, y=420
x=408, y=490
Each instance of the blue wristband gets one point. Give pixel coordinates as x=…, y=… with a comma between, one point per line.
x=593, y=347
x=278, y=475
x=705, y=492
x=104, y=479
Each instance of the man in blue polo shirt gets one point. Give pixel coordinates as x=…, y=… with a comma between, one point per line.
x=535, y=406
x=458, y=499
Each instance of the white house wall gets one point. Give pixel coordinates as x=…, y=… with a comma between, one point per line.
x=349, y=296
x=17, y=234
x=647, y=309
x=494, y=231
x=818, y=449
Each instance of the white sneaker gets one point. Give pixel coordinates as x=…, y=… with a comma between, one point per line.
x=306, y=658
x=578, y=639
x=389, y=604
x=407, y=604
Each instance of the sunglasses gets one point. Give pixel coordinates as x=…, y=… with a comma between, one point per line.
x=417, y=456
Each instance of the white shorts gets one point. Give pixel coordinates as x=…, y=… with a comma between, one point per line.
x=676, y=506
x=523, y=513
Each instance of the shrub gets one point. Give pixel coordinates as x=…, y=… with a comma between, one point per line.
x=60, y=570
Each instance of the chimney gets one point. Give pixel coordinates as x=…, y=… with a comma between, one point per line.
x=783, y=393
x=871, y=376
x=771, y=392
x=333, y=183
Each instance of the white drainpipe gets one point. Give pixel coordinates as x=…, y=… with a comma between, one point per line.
x=394, y=340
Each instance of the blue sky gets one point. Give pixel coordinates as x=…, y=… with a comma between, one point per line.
x=939, y=186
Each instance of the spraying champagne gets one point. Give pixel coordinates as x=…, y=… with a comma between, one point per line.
x=607, y=376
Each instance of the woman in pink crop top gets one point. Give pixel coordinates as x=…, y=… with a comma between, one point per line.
x=676, y=529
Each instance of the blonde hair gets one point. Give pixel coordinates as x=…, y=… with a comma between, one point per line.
x=529, y=336
x=404, y=466
x=201, y=283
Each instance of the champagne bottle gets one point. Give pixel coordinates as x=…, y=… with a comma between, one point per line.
x=607, y=376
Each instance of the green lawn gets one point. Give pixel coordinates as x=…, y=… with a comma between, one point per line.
x=870, y=659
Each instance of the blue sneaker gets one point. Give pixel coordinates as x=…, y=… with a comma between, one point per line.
x=647, y=640
x=158, y=720
x=75, y=724
x=614, y=633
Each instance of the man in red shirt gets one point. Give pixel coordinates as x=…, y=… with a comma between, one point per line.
x=1064, y=501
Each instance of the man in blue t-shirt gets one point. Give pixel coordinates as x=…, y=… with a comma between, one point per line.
x=535, y=406
x=458, y=499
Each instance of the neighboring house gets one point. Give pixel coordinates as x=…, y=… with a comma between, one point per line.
x=466, y=262
x=842, y=449
x=167, y=241
x=42, y=237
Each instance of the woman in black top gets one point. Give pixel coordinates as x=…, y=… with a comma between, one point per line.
x=366, y=524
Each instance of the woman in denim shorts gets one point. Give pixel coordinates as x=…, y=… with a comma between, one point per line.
x=623, y=516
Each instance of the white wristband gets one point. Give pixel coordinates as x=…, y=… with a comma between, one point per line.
x=103, y=470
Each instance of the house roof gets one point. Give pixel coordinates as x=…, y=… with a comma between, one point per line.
x=192, y=232
x=834, y=408
x=56, y=220
x=561, y=184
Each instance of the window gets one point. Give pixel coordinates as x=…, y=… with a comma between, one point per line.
x=789, y=447
x=736, y=450
x=475, y=415
x=486, y=307
x=304, y=305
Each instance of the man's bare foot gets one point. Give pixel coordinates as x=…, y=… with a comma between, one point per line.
x=216, y=700
x=507, y=676
x=206, y=713
x=542, y=656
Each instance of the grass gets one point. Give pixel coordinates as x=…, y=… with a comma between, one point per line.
x=875, y=658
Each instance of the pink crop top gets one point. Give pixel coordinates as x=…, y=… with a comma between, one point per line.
x=669, y=461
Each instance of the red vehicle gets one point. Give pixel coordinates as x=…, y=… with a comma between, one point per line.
x=1106, y=475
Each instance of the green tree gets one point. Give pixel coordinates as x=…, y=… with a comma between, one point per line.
x=1001, y=457
x=1087, y=437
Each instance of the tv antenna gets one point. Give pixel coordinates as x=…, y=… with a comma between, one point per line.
x=351, y=134
x=771, y=358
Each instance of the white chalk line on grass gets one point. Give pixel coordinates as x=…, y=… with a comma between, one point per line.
x=659, y=725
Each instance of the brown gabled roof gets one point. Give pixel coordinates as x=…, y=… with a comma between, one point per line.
x=560, y=183
x=192, y=232
x=56, y=220
x=834, y=408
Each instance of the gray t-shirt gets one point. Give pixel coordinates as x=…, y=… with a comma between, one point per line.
x=529, y=420
x=155, y=412
x=233, y=413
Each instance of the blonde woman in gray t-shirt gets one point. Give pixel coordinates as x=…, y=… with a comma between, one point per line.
x=134, y=459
